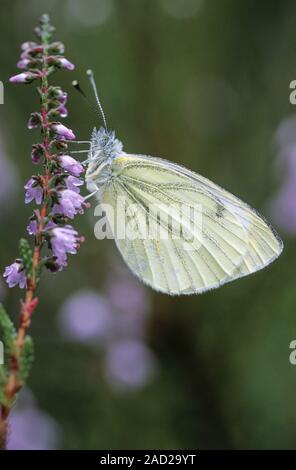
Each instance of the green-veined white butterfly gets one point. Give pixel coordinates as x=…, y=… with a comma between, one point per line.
x=235, y=240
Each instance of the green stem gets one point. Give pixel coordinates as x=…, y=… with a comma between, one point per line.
x=13, y=383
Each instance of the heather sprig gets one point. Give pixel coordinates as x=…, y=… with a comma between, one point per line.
x=55, y=190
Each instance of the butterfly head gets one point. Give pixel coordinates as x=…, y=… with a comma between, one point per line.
x=104, y=144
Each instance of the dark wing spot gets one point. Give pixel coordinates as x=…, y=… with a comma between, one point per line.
x=219, y=210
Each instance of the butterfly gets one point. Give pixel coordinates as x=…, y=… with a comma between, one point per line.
x=227, y=239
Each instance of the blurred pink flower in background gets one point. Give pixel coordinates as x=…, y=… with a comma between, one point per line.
x=8, y=179
x=285, y=134
x=129, y=363
x=90, y=13
x=122, y=310
x=283, y=205
x=33, y=429
x=130, y=302
x=182, y=9
x=116, y=321
x=86, y=316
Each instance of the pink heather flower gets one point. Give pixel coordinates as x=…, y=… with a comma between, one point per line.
x=25, y=77
x=70, y=204
x=63, y=241
x=33, y=192
x=37, y=153
x=50, y=225
x=32, y=227
x=63, y=112
x=72, y=183
x=14, y=276
x=23, y=63
x=28, y=45
x=66, y=64
x=57, y=48
x=32, y=51
x=71, y=165
x=62, y=97
x=34, y=121
x=63, y=131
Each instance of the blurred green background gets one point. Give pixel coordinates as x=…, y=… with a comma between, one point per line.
x=204, y=83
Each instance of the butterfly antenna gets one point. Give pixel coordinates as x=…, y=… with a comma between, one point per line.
x=77, y=87
x=91, y=77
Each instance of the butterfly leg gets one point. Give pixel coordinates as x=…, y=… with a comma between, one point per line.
x=85, y=162
x=92, y=194
x=78, y=142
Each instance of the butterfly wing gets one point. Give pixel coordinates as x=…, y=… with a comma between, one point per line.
x=226, y=240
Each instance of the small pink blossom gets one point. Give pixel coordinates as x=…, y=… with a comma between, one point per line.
x=70, y=204
x=63, y=241
x=24, y=77
x=63, y=131
x=50, y=225
x=23, y=63
x=37, y=153
x=32, y=51
x=33, y=191
x=28, y=45
x=14, y=276
x=71, y=165
x=34, y=121
x=57, y=48
x=62, y=97
x=63, y=112
x=32, y=227
x=73, y=183
x=66, y=64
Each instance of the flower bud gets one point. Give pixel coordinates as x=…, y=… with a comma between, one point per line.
x=28, y=45
x=57, y=95
x=34, y=121
x=37, y=153
x=25, y=77
x=59, y=144
x=61, y=62
x=24, y=63
x=66, y=64
x=71, y=165
x=62, y=131
x=56, y=48
x=60, y=111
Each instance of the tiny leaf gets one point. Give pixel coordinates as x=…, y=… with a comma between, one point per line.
x=26, y=359
x=26, y=255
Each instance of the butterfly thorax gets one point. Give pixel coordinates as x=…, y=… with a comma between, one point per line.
x=104, y=148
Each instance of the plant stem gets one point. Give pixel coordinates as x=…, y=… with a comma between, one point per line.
x=28, y=305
